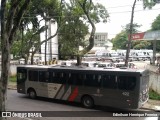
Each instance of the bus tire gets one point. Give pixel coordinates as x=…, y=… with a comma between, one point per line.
x=32, y=93
x=87, y=101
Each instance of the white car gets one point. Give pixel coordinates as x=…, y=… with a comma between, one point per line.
x=105, y=64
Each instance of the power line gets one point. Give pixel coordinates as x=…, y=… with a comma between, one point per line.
x=108, y=13
x=131, y=11
x=122, y=6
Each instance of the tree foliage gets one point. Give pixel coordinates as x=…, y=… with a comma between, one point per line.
x=149, y=3
x=78, y=15
x=22, y=48
x=121, y=39
x=156, y=23
x=156, y=26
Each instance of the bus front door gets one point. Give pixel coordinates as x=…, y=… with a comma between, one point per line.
x=21, y=79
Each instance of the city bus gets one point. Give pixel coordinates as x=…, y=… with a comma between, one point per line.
x=119, y=88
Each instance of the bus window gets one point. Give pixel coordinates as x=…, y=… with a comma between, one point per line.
x=109, y=81
x=92, y=80
x=72, y=78
x=43, y=76
x=33, y=75
x=59, y=77
x=80, y=78
x=126, y=82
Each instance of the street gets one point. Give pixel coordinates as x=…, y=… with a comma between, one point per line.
x=60, y=109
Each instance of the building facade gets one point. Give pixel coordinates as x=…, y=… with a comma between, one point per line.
x=100, y=39
x=52, y=44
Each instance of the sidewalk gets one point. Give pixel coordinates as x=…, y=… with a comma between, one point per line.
x=12, y=86
x=152, y=104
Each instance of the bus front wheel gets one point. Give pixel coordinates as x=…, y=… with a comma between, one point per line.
x=87, y=102
x=32, y=93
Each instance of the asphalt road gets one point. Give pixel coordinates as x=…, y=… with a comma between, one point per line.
x=61, y=110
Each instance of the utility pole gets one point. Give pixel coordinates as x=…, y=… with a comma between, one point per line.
x=154, y=51
x=130, y=35
x=45, y=57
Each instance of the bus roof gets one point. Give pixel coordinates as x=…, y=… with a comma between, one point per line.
x=79, y=68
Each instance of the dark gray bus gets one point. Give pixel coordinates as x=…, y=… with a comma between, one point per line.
x=121, y=88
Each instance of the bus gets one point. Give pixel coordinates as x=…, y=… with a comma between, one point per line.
x=119, y=88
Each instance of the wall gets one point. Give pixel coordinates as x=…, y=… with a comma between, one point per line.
x=13, y=70
x=154, y=80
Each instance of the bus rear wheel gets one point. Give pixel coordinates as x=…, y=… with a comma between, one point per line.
x=32, y=94
x=87, y=102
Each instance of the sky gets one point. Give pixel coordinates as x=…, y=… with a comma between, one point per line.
x=120, y=15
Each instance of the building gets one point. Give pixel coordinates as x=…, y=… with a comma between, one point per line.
x=101, y=42
x=100, y=39
x=52, y=44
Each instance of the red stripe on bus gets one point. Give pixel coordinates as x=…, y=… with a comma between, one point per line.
x=74, y=94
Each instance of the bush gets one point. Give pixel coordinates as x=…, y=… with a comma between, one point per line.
x=12, y=79
x=153, y=95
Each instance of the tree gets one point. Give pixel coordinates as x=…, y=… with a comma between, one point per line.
x=135, y=27
x=149, y=3
x=81, y=14
x=10, y=21
x=120, y=41
x=156, y=26
x=22, y=48
x=141, y=44
x=78, y=14
x=102, y=13
x=47, y=9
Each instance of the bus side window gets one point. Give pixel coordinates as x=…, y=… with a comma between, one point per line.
x=33, y=75
x=126, y=82
x=80, y=79
x=72, y=79
x=59, y=77
x=43, y=76
x=109, y=81
x=93, y=80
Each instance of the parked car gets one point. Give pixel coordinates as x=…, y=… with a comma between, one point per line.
x=105, y=64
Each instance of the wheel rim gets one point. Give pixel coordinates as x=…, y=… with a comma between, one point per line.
x=87, y=102
x=32, y=94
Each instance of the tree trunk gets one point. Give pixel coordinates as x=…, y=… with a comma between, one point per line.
x=5, y=58
x=130, y=35
x=4, y=72
x=79, y=60
x=32, y=58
